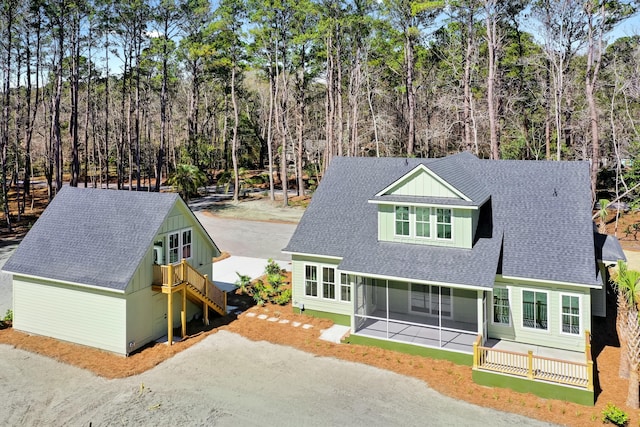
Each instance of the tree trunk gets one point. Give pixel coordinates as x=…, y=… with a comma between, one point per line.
x=75, y=87
x=234, y=140
x=272, y=98
x=621, y=322
x=57, y=146
x=633, y=352
x=491, y=79
x=410, y=91
x=467, y=84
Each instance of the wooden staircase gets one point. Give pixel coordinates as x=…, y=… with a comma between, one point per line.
x=197, y=296
x=198, y=287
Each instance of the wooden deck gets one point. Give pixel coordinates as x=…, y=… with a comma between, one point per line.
x=535, y=367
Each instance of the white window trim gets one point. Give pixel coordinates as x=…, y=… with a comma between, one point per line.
x=179, y=232
x=318, y=280
x=395, y=222
x=182, y=245
x=335, y=284
x=527, y=328
x=414, y=216
x=422, y=313
x=435, y=225
x=349, y=284
x=580, y=331
x=508, y=324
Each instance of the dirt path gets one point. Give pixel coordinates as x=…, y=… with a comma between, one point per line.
x=229, y=380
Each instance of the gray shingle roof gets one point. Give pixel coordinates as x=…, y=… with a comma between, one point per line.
x=541, y=221
x=453, y=170
x=92, y=237
x=608, y=248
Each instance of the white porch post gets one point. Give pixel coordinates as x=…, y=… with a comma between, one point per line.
x=354, y=300
x=480, y=312
x=440, y=315
x=387, y=297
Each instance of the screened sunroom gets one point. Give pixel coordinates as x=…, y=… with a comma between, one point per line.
x=417, y=313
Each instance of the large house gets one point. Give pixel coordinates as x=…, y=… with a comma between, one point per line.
x=101, y=268
x=465, y=258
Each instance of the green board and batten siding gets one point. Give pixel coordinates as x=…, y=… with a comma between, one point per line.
x=420, y=183
x=552, y=337
x=179, y=219
x=85, y=316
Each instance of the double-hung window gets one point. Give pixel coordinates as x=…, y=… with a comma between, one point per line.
x=570, y=314
x=402, y=220
x=180, y=243
x=186, y=244
x=443, y=223
x=501, y=313
x=423, y=222
x=311, y=280
x=535, y=309
x=174, y=248
x=345, y=288
x=328, y=283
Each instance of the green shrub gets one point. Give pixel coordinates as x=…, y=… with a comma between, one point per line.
x=283, y=298
x=271, y=289
x=614, y=415
x=272, y=268
x=243, y=283
x=8, y=317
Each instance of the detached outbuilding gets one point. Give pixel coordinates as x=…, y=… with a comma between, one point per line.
x=91, y=270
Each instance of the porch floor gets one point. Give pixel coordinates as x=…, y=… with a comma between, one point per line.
x=426, y=336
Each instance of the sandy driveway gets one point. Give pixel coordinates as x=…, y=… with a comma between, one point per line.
x=227, y=380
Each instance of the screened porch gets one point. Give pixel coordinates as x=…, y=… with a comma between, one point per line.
x=425, y=315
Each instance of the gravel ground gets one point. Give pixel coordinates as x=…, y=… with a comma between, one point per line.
x=227, y=380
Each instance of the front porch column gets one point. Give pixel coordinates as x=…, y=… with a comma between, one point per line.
x=480, y=312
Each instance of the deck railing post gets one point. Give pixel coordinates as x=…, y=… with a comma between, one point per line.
x=590, y=375
x=530, y=364
x=184, y=270
x=587, y=345
x=170, y=278
x=475, y=353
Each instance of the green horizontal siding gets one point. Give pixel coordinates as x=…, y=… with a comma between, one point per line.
x=338, y=319
x=80, y=315
x=319, y=304
x=552, y=337
x=541, y=389
x=434, y=353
